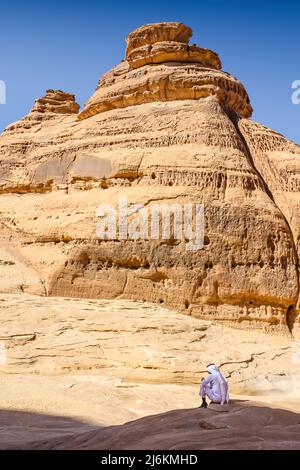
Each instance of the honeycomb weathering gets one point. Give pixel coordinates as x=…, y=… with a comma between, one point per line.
x=156, y=130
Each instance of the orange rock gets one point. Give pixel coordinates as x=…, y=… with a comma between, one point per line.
x=161, y=66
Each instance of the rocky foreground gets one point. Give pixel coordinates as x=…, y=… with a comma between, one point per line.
x=96, y=374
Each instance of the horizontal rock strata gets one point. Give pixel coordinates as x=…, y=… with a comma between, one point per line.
x=160, y=65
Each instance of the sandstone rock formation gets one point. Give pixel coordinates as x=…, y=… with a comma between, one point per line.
x=54, y=102
x=138, y=342
x=78, y=367
x=166, y=125
x=247, y=426
x=153, y=71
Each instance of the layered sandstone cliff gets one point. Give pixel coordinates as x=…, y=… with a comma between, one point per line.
x=161, y=66
x=166, y=125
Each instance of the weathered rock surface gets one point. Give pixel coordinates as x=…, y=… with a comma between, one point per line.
x=246, y=426
x=56, y=101
x=16, y=275
x=77, y=367
x=166, y=125
x=161, y=66
x=139, y=342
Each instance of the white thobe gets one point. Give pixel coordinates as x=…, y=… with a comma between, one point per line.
x=211, y=387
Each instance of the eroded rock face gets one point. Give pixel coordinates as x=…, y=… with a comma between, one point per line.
x=166, y=42
x=67, y=361
x=56, y=101
x=46, y=108
x=158, y=32
x=162, y=132
x=160, y=65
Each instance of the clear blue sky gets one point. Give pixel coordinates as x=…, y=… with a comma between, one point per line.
x=67, y=45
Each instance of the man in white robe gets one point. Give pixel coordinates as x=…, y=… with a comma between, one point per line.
x=215, y=387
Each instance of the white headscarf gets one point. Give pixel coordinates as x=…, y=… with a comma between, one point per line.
x=223, y=384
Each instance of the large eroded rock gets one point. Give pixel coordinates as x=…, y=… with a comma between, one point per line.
x=166, y=125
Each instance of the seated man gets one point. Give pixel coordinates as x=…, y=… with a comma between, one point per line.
x=215, y=387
